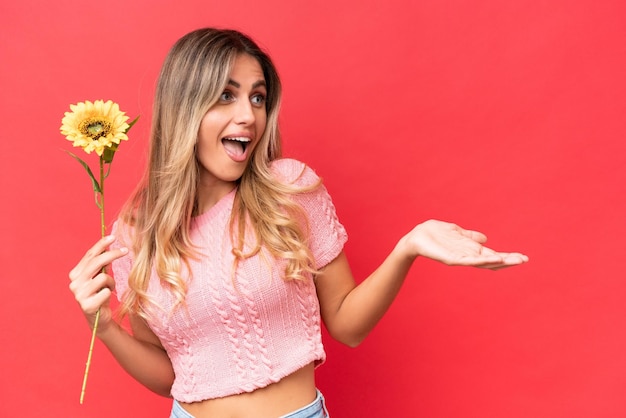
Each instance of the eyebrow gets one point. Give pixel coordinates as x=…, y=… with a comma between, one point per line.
x=255, y=85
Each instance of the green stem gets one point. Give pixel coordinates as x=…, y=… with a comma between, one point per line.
x=102, y=225
x=100, y=203
x=91, y=344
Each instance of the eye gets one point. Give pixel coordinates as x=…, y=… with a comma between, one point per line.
x=226, y=96
x=258, y=99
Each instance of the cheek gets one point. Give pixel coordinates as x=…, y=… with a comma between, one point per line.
x=209, y=130
x=261, y=123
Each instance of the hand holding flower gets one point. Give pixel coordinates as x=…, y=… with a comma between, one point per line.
x=99, y=126
x=92, y=288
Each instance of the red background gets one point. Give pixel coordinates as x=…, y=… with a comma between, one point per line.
x=504, y=116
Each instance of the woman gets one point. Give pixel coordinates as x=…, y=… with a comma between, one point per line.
x=227, y=258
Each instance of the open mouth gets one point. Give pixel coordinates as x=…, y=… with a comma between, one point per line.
x=236, y=146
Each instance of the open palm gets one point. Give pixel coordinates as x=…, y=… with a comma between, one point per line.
x=452, y=245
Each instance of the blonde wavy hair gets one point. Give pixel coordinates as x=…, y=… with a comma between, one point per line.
x=159, y=213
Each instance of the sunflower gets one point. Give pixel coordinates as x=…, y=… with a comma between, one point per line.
x=95, y=126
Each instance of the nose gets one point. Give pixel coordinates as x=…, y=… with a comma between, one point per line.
x=244, y=113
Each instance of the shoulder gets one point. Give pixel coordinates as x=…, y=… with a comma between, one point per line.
x=123, y=234
x=290, y=171
x=122, y=266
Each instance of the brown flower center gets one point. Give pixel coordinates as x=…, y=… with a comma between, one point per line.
x=95, y=128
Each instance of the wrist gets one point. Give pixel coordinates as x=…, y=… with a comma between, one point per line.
x=107, y=330
x=405, y=250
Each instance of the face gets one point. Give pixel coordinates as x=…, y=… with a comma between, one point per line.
x=232, y=128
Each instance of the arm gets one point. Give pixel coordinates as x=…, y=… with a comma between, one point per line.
x=350, y=312
x=140, y=354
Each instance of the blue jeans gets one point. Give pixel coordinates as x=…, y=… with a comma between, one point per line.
x=316, y=409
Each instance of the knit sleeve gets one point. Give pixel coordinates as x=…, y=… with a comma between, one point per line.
x=327, y=235
x=121, y=266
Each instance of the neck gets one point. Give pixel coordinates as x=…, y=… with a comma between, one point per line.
x=210, y=194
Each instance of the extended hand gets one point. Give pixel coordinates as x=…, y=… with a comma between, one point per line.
x=455, y=246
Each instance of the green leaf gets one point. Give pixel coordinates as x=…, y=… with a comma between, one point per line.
x=130, y=125
x=109, y=152
x=94, y=182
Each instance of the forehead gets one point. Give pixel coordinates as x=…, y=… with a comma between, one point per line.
x=246, y=67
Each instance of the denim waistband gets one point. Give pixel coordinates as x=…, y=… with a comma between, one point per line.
x=316, y=409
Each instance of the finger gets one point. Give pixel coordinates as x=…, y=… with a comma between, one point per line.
x=99, y=247
x=100, y=282
x=480, y=260
x=488, y=251
x=92, y=304
x=473, y=235
x=496, y=267
x=94, y=251
x=513, y=258
x=94, y=293
x=91, y=264
x=508, y=260
x=86, y=289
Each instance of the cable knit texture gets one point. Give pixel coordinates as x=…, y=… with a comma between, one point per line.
x=245, y=331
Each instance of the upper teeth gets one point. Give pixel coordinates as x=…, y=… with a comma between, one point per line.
x=240, y=139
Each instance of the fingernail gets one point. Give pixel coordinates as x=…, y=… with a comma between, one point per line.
x=124, y=250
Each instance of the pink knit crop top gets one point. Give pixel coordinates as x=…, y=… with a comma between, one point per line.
x=243, y=333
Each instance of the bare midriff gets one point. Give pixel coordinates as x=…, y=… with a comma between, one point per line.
x=290, y=394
